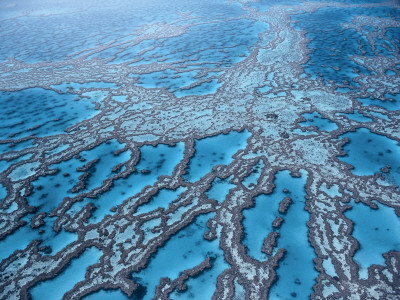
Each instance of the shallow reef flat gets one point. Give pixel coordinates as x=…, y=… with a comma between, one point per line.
x=214, y=149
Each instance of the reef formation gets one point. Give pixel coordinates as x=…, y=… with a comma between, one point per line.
x=223, y=147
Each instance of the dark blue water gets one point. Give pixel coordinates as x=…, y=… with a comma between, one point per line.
x=331, y=45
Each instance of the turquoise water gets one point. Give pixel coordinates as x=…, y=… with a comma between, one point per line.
x=357, y=116
x=315, y=119
x=3, y=192
x=49, y=191
x=162, y=199
x=209, y=153
x=368, y=152
x=107, y=295
x=219, y=189
x=377, y=231
x=390, y=103
x=185, y=250
x=203, y=285
x=257, y=223
x=65, y=281
x=251, y=179
x=296, y=273
x=203, y=56
x=45, y=112
x=159, y=160
x=20, y=239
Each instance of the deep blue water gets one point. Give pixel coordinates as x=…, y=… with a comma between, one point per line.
x=58, y=36
x=331, y=45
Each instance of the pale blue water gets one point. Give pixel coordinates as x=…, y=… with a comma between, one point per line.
x=227, y=45
x=379, y=115
x=368, y=152
x=333, y=191
x=377, y=231
x=209, y=153
x=209, y=87
x=263, y=5
x=50, y=38
x=75, y=272
x=185, y=250
x=232, y=36
x=264, y=89
x=4, y=164
x=87, y=85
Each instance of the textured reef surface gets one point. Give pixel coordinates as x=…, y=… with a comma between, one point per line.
x=214, y=149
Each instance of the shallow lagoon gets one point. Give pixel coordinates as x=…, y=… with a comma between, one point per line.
x=369, y=152
x=377, y=231
x=66, y=280
x=51, y=115
x=185, y=250
x=209, y=153
x=296, y=273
